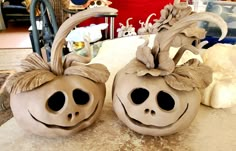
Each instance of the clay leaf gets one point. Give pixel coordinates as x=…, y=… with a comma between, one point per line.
x=140, y=69
x=71, y=58
x=167, y=19
x=185, y=12
x=26, y=81
x=152, y=72
x=165, y=12
x=95, y=72
x=34, y=62
x=134, y=66
x=187, y=77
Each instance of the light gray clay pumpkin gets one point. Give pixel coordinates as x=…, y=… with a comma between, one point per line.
x=153, y=96
x=61, y=98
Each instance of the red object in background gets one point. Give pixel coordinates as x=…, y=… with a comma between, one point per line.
x=138, y=10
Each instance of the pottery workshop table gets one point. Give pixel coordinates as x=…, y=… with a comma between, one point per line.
x=211, y=130
x=108, y=16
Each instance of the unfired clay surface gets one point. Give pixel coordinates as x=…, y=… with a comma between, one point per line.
x=151, y=95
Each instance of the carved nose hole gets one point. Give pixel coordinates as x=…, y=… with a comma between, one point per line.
x=76, y=113
x=146, y=111
x=153, y=113
x=69, y=116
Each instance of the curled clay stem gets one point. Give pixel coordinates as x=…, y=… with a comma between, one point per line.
x=148, y=19
x=181, y=51
x=58, y=43
x=141, y=23
x=71, y=58
x=165, y=40
x=202, y=44
x=127, y=22
x=122, y=25
x=146, y=41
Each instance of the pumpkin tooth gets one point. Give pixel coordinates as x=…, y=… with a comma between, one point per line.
x=34, y=62
x=26, y=81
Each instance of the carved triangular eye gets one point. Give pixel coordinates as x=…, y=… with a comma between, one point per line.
x=165, y=101
x=56, y=101
x=139, y=95
x=80, y=97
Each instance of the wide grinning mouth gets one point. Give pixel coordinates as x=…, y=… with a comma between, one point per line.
x=136, y=122
x=64, y=127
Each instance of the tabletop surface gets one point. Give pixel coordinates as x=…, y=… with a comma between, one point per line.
x=211, y=130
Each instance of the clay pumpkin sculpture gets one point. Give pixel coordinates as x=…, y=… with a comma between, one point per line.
x=153, y=96
x=63, y=97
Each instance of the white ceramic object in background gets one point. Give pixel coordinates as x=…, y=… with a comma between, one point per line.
x=126, y=30
x=221, y=92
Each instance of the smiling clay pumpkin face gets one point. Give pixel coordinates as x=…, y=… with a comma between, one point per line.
x=70, y=104
x=149, y=106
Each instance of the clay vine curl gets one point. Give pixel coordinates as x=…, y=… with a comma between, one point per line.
x=157, y=62
x=35, y=71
